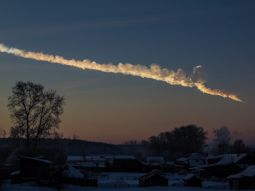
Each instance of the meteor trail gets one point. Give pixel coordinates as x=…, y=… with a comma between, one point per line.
x=154, y=72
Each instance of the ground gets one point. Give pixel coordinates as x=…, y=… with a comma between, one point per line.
x=77, y=188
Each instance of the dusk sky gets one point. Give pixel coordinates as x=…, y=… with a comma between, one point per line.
x=114, y=108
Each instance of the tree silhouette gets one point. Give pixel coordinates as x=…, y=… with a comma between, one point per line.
x=2, y=133
x=182, y=140
x=35, y=113
x=239, y=147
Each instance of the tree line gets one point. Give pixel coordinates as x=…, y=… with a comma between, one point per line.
x=192, y=138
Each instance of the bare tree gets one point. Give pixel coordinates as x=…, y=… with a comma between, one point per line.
x=35, y=112
x=221, y=141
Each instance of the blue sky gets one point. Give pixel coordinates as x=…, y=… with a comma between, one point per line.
x=219, y=35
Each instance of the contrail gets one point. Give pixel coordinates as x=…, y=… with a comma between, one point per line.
x=155, y=72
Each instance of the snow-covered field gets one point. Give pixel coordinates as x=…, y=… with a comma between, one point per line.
x=122, y=182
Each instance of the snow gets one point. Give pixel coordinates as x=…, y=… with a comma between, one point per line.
x=120, y=179
x=43, y=160
x=15, y=173
x=18, y=187
x=182, y=159
x=226, y=159
x=71, y=172
x=73, y=158
x=248, y=172
x=97, y=158
x=188, y=176
x=230, y=158
x=37, y=159
x=151, y=174
x=85, y=164
x=215, y=185
x=155, y=160
x=124, y=157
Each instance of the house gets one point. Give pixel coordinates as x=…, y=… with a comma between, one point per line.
x=192, y=180
x=5, y=170
x=125, y=163
x=246, y=160
x=90, y=162
x=182, y=161
x=71, y=175
x=153, y=178
x=226, y=159
x=193, y=160
x=224, y=166
x=197, y=159
x=244, y=179
x=212, y=159
x=230, y=159
x=33, y=169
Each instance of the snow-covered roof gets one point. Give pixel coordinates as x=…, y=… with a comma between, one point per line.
x=192, y=156
x=88, y=164
x=155, y=158
x=15, y=173
x=74, y=158
x=124, y=157
x=210, y=157
x=225, y=159
x=102, y=158
x=96, y=157
x=150, y=174
x=197, y=156
x=248, y=172
x=37, y=159
x=189, y=176
x=230, y=159
x=182, y=159
x=72, y=172
x=43, y=160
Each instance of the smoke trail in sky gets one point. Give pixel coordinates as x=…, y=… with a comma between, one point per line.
x=155, y=72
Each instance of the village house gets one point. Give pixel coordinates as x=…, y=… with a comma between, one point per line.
x=224, y=166
x=125, y=163
x=33, y=169
x=71, y=175
x=193, y=160
x=89, y=162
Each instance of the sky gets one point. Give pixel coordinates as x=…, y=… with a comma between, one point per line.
x=114, y=108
